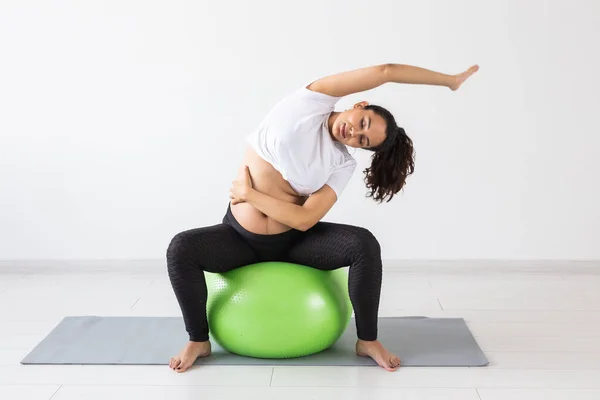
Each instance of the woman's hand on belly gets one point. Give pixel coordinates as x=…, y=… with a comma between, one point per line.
x=300, y=217
x=265, y=179
x=241, y=187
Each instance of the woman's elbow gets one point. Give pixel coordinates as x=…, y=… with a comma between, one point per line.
x=304, y=226
x=306, y=223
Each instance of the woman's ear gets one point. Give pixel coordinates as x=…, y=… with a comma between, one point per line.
x=362, y=104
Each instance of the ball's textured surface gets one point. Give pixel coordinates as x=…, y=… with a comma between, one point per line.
x=277, y=309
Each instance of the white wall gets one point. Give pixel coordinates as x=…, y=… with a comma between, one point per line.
x=123, y=122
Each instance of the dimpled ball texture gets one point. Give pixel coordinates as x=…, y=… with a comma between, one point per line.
x=277, y=309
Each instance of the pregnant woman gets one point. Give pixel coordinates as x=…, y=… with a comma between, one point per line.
x=294, y=170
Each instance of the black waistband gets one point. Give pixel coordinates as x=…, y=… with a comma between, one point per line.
x=277, y=237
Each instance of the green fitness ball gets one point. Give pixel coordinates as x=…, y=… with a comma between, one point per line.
x=277, y=309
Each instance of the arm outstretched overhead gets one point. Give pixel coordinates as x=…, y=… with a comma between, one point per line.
x=363, y=79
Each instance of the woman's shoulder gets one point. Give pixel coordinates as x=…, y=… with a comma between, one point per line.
x=303, y=102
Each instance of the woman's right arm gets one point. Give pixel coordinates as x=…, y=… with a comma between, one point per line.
x=300, y=217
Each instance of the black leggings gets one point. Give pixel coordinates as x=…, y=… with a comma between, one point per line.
x=226, y=246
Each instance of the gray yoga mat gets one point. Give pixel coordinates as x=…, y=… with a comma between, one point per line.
x=418, y=341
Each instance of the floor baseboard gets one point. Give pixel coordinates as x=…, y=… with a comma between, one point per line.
x=397, y=265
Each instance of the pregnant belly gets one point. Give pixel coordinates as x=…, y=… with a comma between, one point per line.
x=265, y=179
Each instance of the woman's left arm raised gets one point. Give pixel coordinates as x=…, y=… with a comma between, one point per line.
x=363, y=79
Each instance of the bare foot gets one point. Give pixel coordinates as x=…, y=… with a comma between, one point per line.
x=188, y=355
x=377, y=352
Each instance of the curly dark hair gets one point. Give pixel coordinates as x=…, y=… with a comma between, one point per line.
x=392, y=162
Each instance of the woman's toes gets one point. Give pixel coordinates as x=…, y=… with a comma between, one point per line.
x=182, y=367
x=394, y=363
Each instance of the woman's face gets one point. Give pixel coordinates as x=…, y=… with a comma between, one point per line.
x=359, y=128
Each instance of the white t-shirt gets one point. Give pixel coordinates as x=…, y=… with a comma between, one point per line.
x=294, y=138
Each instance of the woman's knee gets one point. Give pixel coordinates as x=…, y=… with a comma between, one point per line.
x=178, y=248
x=363, y=241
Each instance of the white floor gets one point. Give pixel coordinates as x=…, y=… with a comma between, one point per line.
x=540, y=330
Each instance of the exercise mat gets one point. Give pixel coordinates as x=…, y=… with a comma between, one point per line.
x=418, y=341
